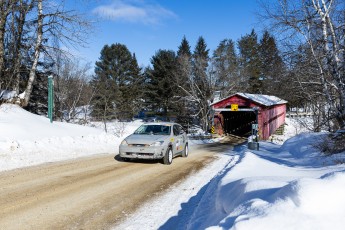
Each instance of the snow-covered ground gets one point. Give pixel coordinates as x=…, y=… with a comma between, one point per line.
x=27, y=139
x=287, y=184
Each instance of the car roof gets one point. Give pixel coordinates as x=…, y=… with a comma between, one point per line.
x=160, y=123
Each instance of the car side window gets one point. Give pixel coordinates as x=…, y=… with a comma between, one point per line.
x=181, y=129
x=176, y=130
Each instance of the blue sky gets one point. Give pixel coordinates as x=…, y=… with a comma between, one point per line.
x=145, y=26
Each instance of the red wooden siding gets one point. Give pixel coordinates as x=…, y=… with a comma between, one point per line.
x=270, y=119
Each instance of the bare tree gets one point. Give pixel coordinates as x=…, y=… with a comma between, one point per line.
x=38, y=44
x=73, y=92
x=320, y=24
x=66, y=26
x=196, y=96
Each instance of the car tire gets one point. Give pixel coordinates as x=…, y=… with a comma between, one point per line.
x=167, y=159
x=185, y=151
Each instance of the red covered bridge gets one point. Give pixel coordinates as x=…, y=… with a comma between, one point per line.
x=236, y=114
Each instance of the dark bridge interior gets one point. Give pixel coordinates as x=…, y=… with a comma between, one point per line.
x=238, y=123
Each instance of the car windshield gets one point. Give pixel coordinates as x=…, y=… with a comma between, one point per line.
x=153, y=130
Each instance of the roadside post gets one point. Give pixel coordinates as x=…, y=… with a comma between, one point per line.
x=50, y=98
x=253, y=143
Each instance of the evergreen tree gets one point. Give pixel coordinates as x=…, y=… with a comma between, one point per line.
x=250, y=64
x=184, y=58
x=128, y=102
x=117, y=78
x=272, y=66
x=39, y=98
x=184, y=48
x=225, y=66
x=103, y=102
x=161, y=85
x=38, y=102
x=200, y=64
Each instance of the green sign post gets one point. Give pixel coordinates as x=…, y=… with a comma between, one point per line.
x=50, y=98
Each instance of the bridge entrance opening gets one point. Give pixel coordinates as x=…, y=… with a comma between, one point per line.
x=238, y=123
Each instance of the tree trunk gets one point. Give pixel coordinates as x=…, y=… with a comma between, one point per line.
x=32, y=74
x=332, y=61
x=4, y=11
x=2, y=52
x=23, y=10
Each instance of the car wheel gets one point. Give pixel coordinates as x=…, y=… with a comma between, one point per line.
x=185, y=151
x=167, y=159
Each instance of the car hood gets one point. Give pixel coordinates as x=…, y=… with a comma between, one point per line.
x=145, y=139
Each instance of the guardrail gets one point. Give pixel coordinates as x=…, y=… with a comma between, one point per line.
x=303, y=114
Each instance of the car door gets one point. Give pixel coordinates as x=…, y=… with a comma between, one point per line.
x=178, y=139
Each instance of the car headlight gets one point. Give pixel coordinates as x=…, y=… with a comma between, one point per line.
x=157, y=143
x=124, y=142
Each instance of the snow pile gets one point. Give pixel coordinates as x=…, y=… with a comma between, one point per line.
x=287, y=187
x=27, y=139
x=302, y=204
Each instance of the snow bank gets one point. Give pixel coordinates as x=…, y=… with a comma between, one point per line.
x=278, y=187
x=302, y=204
x=27, y=139
x=19, y=124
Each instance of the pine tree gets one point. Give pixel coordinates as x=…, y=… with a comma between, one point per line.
x=250, y=64
x=39, y=98
x=184, y=48
x=272, y=66
x=225, y=65
x=184, y=59
x=183, y=75
x=161, y=85
x=200, y=64
x=117, y=78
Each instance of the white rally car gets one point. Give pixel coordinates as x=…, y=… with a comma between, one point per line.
x=163, y=140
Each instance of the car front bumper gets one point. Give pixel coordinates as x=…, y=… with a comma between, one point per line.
x=142, y=152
